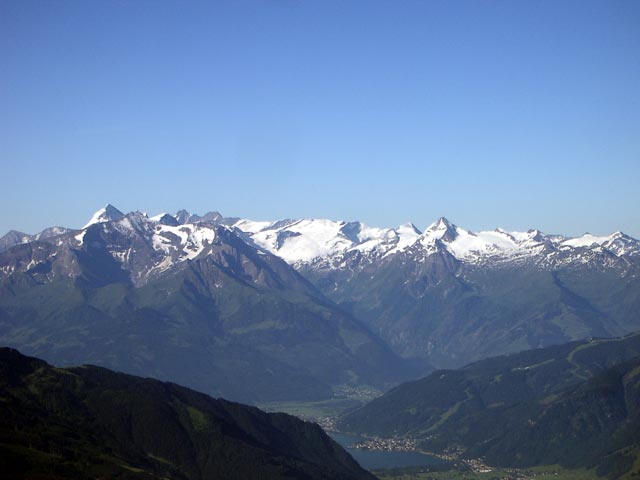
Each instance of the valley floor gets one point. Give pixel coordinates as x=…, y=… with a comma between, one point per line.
x=325, y=412
x=464, y=473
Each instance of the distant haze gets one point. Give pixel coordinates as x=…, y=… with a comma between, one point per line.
x=494, y=114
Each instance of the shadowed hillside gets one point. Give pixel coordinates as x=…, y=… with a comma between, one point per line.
x=577, y=405
x=90, y=422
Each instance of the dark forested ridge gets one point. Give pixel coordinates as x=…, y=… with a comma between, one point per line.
x=577, y=405
x=90, y=422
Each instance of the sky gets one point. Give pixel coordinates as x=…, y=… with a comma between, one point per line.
x=512, y=114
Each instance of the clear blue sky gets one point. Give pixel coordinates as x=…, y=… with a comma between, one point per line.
x=492, y=113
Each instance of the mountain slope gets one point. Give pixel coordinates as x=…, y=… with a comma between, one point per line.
x=440, y=309
x=192, y=303
x=575, y=404
x=89, y=422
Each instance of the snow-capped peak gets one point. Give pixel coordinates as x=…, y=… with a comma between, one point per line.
x=470, y=246
x=617, y=242
x=406, y=235
x=409, y=228
x=106, y=214
x=585, y=240
x=311, y=240
x=150, y=246
x=588, y=240
x=298, y=241
x=442, y=230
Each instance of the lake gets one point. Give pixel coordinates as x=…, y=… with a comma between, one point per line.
x=373, y=459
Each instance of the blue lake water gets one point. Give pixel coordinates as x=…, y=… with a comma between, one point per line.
x=372, y=459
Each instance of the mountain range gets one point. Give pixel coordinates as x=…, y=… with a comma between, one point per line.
x=294, y=309
x=194, y=303
x=448, y=296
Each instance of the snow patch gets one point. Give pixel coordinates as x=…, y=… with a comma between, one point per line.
x=80, y=237
x=586, y=240
x=191, y=240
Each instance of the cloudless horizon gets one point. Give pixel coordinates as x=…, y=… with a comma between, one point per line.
x=509, y=114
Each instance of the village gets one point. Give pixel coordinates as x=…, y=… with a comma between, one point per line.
x=387, y=444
